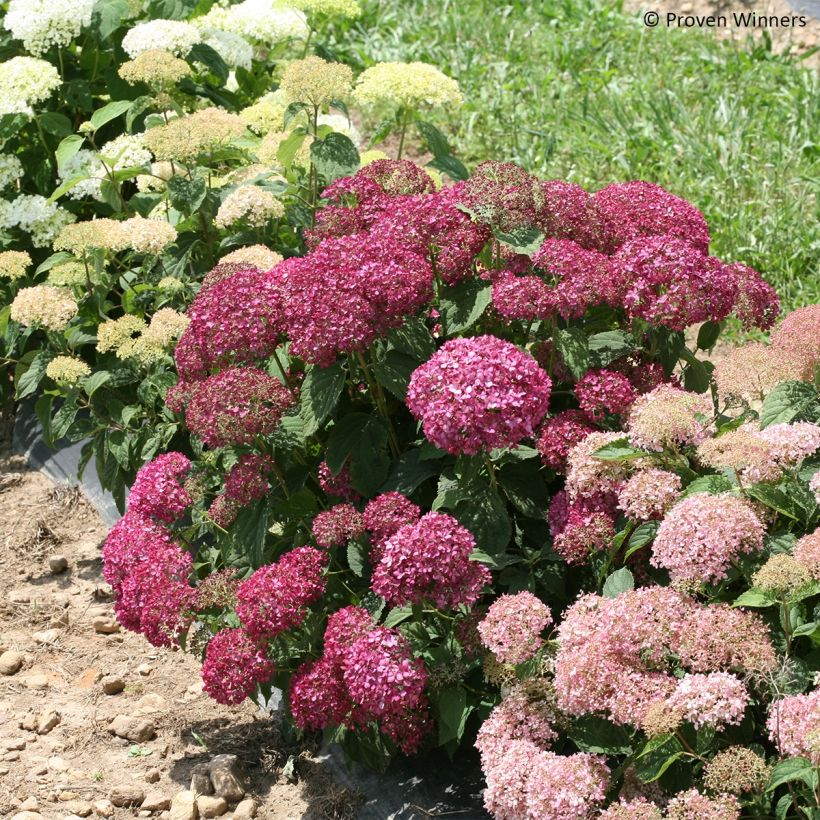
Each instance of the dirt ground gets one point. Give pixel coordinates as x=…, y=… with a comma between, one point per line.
x=58, y=758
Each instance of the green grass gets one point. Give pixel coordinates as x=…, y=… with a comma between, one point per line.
x=581, y=90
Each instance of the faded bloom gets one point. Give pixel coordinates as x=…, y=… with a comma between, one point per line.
x=512, y=627
x=67, y=370
x=782, y=574
x=336, y=526
x=185, y=138
x=268, y=113
x=703, y=534
x=316, y=81
x=250, y=204
x=406, y=85
x=638, y=809
x=174, y=36
x=669, y=417
x=255, y=256
x=736, y=770
x=692, y=805
x=478, y=394
x=649, y=494
x=26, y=82
x=155, y=67
x=14, y=264
x=165, y=328
x=44, y=306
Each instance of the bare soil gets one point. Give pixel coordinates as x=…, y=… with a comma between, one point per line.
x=49, y=619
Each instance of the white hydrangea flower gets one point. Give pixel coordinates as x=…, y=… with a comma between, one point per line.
x=11, y=169
x=175, y=36
x=35, y=215
x=234, y=49
x=341, y=124
x=87, y=164
x=125, y=151
x=24, y=82
x=41, y=24
x=265, y=21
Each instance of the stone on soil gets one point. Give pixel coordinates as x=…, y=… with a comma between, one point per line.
x=10, y=662
x=126, y=796
x=246, y=810
x=227, y=777
x=112, y=684
x=137, y=730
x=57, y=564
x=209, y=806
x=183, y=807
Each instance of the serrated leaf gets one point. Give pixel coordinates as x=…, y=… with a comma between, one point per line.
x=186, y=195
x=712, y=484
x=791, y=769
x=462, y=306
x=414, y=339
x=319, y=395
x=29, y=380
x=525, y=240
x=435, y=141
x=619, y=581
x=209, y=57
x=334, y=156
x=606, y=347
x=68, y=148
x=450, y=165
x=356, y=558
x=790, y=401
x=600, y=736
x=573, y=346
x=452, y=711
x=755, y=598
x=397, y=615
x=408, y=472
x=394, y=372
x=620, y=450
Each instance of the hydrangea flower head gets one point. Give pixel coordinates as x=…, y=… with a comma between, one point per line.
x=233, y=666
x=512, y=627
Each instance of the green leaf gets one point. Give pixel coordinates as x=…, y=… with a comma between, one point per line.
x=606, y=347
x=697, y=375
x=790, y=401
x=664, y=766
x=382, y=131
x=790, y=498
x=523, y=484
x=712, y=484
x=397, y=615
x=171, y=9
x=756, y=598
x=109, y=15
x=320, y=393
x=450, y=165
x=209, y=57
x=791, y=769
x=109, y=112
x=334, y=156
x=29, y=380
x=526, y=240
x=68, y=148
x=414, y=339
x=250, y=532
x=292, y=111
x=186, y=195
x=433, y=139
x=599, y=736
x=461, y=306
x=643, y=535
x=95, y=381
x=452, y=711
x=485, y=515
x=137, y=107
x=356, y=557
x=619, y=581
x=619, y=450
x=361, y=439
x=708, y=335
x=408, y=472
x=54, y=123
x=573, y=346
x=394, y=372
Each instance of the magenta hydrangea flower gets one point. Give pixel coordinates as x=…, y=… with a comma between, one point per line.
x=757, y=302
x=567, y=212
x=234, y=406
x=345, y=627
x=670, y=282
x=523, y=297
x=566, y=788
x=274, y=598
x=430, y=561
x=649, y=493
x=381, y=674
x=703, y=534
x=233, y=666
x=339, y=485
x=794, y=723
x=717, y=700
x=600, y=392
x=478, y=394
x=512, y=627
x=384, y=515
x=630, y=210
x=157, y=491
x=346, y=293
x=246, y=482
x=559, y=435
x=318, y=695
x=585, y=533
x=338, y=525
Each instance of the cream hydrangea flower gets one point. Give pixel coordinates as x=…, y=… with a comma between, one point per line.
x=261, y=21
x=185, y=138
x=44, y=306
x=94, y=234
x=148, y=236
x=70, y=275
x=25, y=82
x=268, y=113
x=42, y=24
x=233, y=48
x=115, y=333
x=331, y=8
x=11, y=169
x=14, y=264
x=316, y=81
x=67, y=370
x=250, y=204
x=155, y=67
x=166, y=326
x=406, y=85
x=174, y=36
x=256, y=255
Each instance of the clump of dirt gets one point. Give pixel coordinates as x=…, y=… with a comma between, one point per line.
x=67, y=671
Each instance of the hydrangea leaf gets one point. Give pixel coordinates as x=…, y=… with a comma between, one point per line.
x=790, y=401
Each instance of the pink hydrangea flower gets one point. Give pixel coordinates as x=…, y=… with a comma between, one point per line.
x=566, y=788
x=797, y=336
x=637, y=809
x=757, y=302
x=588, y=475
x=717, y=699
x=814, y=486
x=478, y=394
x=567, y=212
x=585, y=533
x=559, y=435
x=692, y=805
x=384, y=515
x=669, y=417
x=339, y=485
x=794, y=723
x=649, y=493
x=506, y=794
x=703, y=534
x=601, y=392
x=430, y=560
x=157, y=491
x=338, y=525
x=233, y=666
x=512, y=627
x=792, y=443
x=274, y=598
x=807, y=552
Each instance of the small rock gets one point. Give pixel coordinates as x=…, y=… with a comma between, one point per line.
x=156, y=801
x=10, y=662
x=87, y=678
x=144, y=669
x=38, y=681
x=227, y=777
x=144, y=814
x=126, y=796
x=57, y=764
x=149, y=704
x=47, y=636
x=16, y=745
x=29, y=722
x=4, y=770
x=67, y=796
x=29, y=804
x=208, y=806
x=105, y=626
x=47, y=721
x=104, y=808
x=57, y=564
x=11, y=756
x=153, y=776
x=201, y=780
x=137, y=730
x=27, y=815
x=83, y=809
x=246, y=810
x=183, y=807
x=39, y=769
x=19, y=596
x=112, y=685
